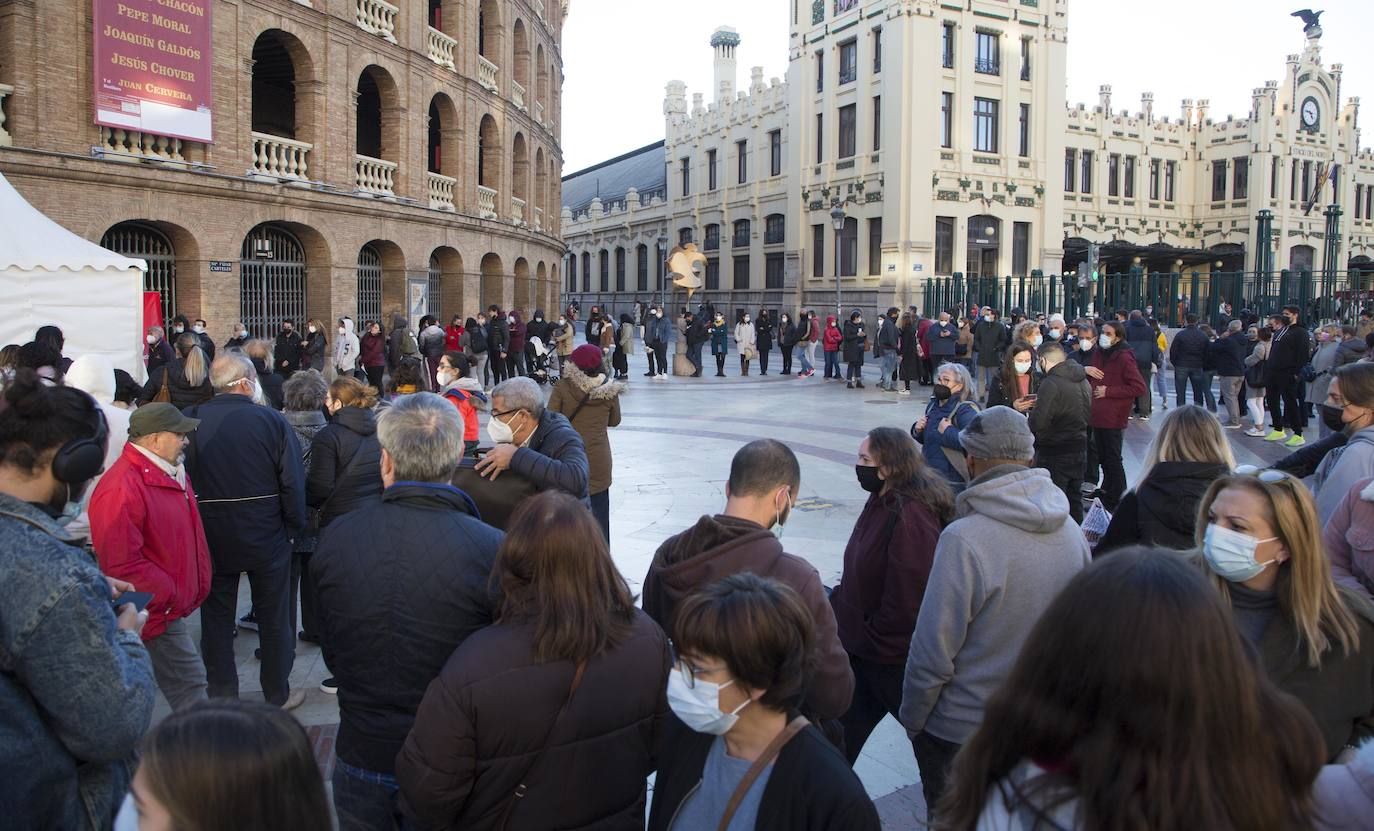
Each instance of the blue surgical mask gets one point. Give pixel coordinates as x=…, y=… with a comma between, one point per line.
x=1104, y=341
x=1231, y=554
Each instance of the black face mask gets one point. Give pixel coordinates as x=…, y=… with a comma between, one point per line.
x=941, y=392
x=1331, y=417
x=868, y=478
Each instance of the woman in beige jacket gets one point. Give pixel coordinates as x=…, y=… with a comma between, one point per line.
x=591, y=401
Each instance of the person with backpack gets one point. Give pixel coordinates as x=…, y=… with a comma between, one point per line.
x=952, y=407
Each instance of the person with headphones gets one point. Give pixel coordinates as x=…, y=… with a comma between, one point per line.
x=146, y=529
x=77, y=691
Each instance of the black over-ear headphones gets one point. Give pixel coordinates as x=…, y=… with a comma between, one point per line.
x=80, y=460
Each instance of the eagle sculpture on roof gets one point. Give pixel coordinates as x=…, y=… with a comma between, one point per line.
x=683, y=263
x=1310, y=26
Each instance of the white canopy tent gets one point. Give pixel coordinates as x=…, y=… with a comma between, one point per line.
x=48, y=275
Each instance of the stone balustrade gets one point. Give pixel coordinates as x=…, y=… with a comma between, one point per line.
x=279, y=158
x=486, y=202
x=5, y=139
x=538, y=219
x=375, y=176
x=377, y=17
x=517, y=94
x=539, y=9
x=440, y=191
x=118, y=141
x=517, y=211
x=486, y=73
x=441, y=48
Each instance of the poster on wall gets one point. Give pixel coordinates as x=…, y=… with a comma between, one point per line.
x=152, y=68
x=417, y=301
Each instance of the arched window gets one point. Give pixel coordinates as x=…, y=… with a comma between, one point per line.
x=369, y=284
x=144, y=242
x=740, y=234
x=271, y=280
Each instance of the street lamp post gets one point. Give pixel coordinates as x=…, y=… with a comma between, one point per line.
x=837, y=218
x=662, y=271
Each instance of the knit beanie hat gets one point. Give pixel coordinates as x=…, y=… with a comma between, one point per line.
x=587, y=357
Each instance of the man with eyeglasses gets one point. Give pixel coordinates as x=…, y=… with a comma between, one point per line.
x=535, y=442
x=245, y=467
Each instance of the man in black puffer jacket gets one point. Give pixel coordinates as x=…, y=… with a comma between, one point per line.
x=1059, y=421
x=1188, y=354
x=391, y=615
x=1290, y=351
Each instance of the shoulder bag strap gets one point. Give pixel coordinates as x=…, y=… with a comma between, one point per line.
x=765, y=759
x=523, y=788
x=579, y=407
x=348, y=468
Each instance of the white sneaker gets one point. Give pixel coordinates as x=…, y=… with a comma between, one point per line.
x=294, y=699
x=904, y=392
x=1256, y=432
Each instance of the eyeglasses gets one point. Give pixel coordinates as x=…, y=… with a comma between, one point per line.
x=689, y=672
x=1268, y=476
x=504, y=413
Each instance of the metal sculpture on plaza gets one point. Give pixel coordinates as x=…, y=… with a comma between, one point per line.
x=684, y=263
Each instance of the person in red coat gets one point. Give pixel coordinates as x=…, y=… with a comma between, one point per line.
x=1116, y=382
x=923, y=334
x=146, y=529
x=453, y=335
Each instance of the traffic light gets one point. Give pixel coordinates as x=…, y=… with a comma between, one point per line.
x=1092, y=260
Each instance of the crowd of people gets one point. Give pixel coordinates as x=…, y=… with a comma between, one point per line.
x=1206, y=661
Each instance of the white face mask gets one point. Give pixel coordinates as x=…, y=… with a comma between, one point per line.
x=243, y=333
x=1085, y=345
x=699, y=706
x=1104, y=341
x=199, y=330
x=179, y=329
x=1056, y=334
x=151, y=339
x=746, y=318
x=1231, y=554
x=988, y=318
x=1036, y=341
x=342, y=330
x=1022, y=367
x=499, y=431
x=311, y=329
x=444, y=377
x=562, y=321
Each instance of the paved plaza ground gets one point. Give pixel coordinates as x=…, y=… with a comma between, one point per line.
x=672, y=456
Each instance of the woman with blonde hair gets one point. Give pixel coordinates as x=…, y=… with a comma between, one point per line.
x=185, y=381
x=1262, y=542
x=1188, y=453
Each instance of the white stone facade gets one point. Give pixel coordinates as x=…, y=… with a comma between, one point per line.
x=978, y=169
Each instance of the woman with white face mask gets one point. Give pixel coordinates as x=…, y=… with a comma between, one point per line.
x=737, y=754
x=1261, y=541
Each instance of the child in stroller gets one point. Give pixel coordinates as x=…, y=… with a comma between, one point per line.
x=537, y=361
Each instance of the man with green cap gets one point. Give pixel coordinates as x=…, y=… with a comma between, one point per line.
x=146, y=529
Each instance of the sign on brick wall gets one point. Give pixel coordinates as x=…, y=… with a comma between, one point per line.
x=152, y=66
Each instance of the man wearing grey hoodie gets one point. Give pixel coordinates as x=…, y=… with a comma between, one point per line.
x=997, y=567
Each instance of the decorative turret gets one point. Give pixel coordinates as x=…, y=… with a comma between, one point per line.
x=1202, y=106
x=675, y=99
x=1104, y=98
x=1187, y=118
x=725, y=41
x=1147, y=106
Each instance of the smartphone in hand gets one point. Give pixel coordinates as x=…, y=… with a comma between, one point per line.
x=139, y=599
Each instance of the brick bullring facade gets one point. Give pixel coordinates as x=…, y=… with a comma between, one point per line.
x=359, y=147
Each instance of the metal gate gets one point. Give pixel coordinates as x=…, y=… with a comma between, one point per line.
x=434, y=302
x=369, y=286
x=134, y=239
x=271, y=280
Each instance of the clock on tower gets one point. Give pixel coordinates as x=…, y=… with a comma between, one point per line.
x=1310, y=114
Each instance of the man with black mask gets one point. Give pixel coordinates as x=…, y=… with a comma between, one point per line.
x=77, y=692
x=288, y=349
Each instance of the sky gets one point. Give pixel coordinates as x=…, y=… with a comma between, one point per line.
x=619, y=54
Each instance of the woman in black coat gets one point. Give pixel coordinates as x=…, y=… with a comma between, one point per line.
x=787, y=340
x=909, y=351
x=853, y=346
x=1189, y=452
x=345, y=463
x=742, y=669
x=186, y=378
x=1004, y=390
x=563, y=696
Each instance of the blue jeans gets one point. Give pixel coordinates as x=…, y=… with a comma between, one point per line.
x=1185, y=376
x=365, y=800
x=805, y=354
x=832, y=365
x=888, y=363
x=694, y=355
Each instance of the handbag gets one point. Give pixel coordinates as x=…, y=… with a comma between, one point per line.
x=1254, y=375
x=164, y=395
x=522, y=788
x=956, y=457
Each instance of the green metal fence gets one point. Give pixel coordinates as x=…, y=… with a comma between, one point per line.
x=1337, y=296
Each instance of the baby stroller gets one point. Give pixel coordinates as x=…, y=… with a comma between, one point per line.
x=537, y=361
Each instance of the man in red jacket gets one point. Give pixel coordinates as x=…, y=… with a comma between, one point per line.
x=146, y=529
x=1116, y=383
